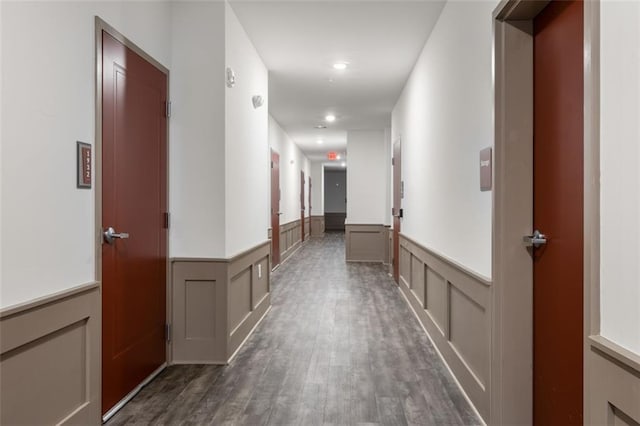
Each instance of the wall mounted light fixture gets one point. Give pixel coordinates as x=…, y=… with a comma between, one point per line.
x=258, y=101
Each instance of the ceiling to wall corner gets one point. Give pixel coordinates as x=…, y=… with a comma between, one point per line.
x=299, y=41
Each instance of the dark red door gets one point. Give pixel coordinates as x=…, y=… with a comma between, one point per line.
x=302, y=203
x=397, y=200
x=275, y=208
x=309, y=196
x=558, y=213
x=134, y=178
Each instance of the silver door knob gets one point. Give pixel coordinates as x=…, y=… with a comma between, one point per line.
x=535, y=240
x=110, y=235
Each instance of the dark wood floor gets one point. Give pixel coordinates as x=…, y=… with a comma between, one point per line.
x=340, y=346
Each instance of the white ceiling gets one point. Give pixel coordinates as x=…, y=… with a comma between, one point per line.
x=300, y=40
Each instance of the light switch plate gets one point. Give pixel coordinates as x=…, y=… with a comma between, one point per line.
x=486, y=175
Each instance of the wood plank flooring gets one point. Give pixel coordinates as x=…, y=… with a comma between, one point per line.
x=339, y=347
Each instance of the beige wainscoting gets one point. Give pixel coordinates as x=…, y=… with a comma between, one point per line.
x=217, y=303
x=317, y=226
x=307, y=227
x=615, y=384
x=388, y=244
x=454, y=306
x=290, y=239
x=365, y=243
x=50, y=359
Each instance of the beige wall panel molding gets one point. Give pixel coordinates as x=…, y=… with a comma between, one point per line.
x=388, y=250
x=50, y=359
x=198, y=322
x=248, y=295
x=216, y=304
x=454, y=306
x=317, y=226
x=290, y=238
x=365, y=243
x=417, y=280
x=240, y=302
x=260, y=288
x=614, y=397
x=436, y=300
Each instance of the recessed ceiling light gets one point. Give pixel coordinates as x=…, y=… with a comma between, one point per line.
x=319, y=141
x=320, y=126
x=337, y=157
x=330, y=118
x=344, y=164
x=340, y=65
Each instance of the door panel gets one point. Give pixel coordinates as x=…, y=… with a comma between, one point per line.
x=302, y=203
x=558, y=213
x=134, y=147
x=309, y=196
x=397, y=201
x=275, y=208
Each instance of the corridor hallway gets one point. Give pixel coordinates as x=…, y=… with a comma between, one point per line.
x=340, y=346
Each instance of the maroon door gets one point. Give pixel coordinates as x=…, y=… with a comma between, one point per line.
x=558, y=213
x=309, y=196
x=134, y=176
x=397, y=199
x=302, y=203
x=275, y=208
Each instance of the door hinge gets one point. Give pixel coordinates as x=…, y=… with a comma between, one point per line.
x=272, y=164
x=167, y=220
x=167, y=332
x=393, y=161
x=167, y=109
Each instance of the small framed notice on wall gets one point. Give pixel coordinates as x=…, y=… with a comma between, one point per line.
x=84, y=165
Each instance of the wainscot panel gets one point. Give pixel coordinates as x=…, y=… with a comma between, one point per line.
x=388, y=249
x=290, y=239
x=216, y=304
x=307, y=227
x=335, y=221
x=317, y=226
x=365, y=243
x=453, y=305
x=50, y=359
x=615, y=390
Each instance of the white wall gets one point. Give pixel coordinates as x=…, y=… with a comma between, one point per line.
x=1, y=138
x=247, y=144
x=335, y=191
x=292, y=161
x=48, y=103
x=197, y=142
x=444, y=118
x=317, y=192
x=620, y=176
x=367, y=177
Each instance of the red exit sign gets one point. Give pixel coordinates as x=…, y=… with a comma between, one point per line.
x=332, y=155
